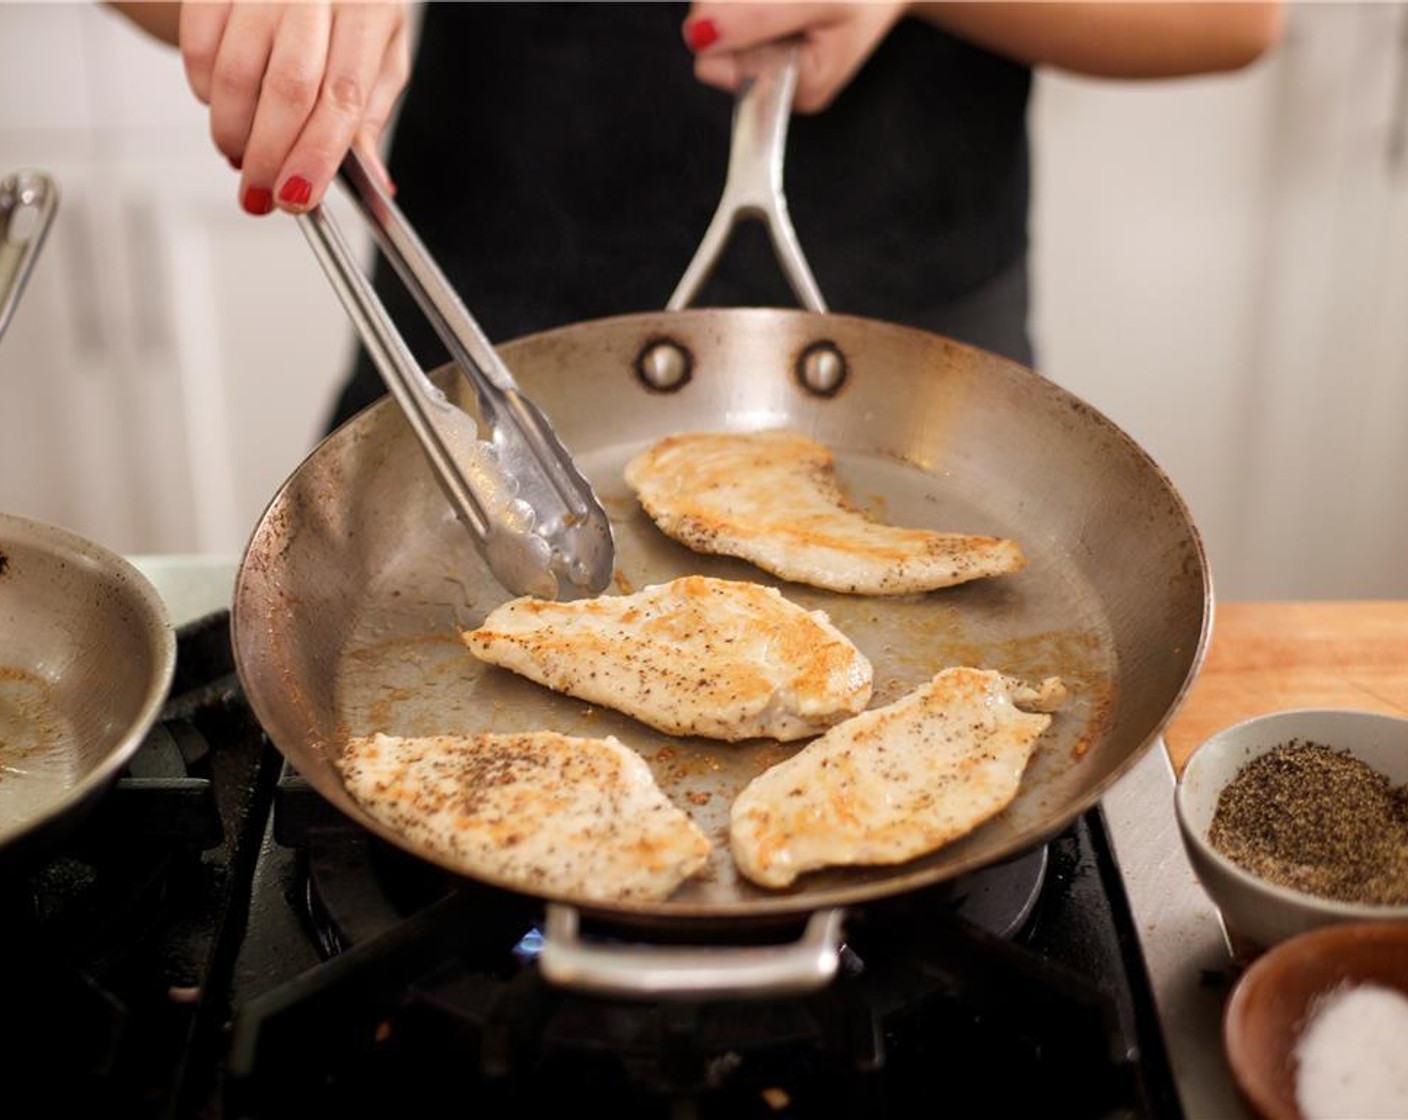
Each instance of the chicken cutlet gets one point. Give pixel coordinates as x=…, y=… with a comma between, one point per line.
x=894, y=783
x=773, y=498
x=718, y=658
x=539, y=812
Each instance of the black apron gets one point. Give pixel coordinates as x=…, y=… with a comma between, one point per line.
x=562, y=162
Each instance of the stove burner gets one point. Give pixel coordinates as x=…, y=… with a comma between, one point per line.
x=428, y=983
x=925, y=999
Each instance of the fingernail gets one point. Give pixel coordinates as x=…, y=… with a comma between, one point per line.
x=296, y=191
x=257, y=200
x=701, y=33
x=237, y=163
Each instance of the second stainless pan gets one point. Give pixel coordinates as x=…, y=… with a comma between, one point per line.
x=87, y=651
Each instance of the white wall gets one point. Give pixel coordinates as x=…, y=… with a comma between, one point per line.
x=172, y=360
x=1221, y=267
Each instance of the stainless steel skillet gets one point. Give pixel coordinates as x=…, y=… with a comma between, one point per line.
x=357, y=581
x=87, y=651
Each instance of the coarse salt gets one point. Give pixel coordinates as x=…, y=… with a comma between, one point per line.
x=1352, y=1058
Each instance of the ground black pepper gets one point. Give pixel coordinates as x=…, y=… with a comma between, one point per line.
x=1318, y=820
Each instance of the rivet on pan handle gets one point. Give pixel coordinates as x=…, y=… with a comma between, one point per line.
x=753, y=188
x=716, y=971
x=28, y=200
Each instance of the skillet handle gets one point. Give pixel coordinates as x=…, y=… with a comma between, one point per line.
x=716, y=971
x=753, y=187
x=24, y=192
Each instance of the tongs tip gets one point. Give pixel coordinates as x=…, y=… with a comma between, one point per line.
x=525, y=563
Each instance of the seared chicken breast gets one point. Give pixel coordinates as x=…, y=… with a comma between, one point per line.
x=697, y=656
x=773, y=498
x=894, y=783
x=539, y=812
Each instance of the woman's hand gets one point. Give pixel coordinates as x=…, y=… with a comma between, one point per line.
x=836, y=39
x=1102, y=38
x=291, y=87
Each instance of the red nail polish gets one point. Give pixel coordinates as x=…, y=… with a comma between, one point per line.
x=702, y=33
x=257, y=200
x=296, y=191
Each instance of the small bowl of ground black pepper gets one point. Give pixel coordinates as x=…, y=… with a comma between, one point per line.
x=1299, y=819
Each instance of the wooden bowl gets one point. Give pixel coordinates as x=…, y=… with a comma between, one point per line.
x=1274, y=1000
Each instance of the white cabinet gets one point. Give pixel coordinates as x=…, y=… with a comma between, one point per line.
x=173, y=359
x=1221, y=266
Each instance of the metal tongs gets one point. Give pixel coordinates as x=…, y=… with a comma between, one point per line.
x=28, y=200
x=535, y=518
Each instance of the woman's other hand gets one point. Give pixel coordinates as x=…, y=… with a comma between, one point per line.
x=1101, y=38
x=835, y=40
x=291, y=87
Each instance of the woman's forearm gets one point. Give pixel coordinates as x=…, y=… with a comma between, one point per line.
x=1103, y=38
x=1108, y=39
x=159, y=19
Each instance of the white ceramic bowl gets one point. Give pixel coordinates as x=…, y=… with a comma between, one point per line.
x=1253, y=908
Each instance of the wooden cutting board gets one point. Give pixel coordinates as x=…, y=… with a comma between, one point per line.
x=1266, y=657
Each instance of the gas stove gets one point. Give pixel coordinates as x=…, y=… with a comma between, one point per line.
x=218, y=942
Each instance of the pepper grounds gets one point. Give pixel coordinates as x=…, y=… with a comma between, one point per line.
x=1318, y=820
